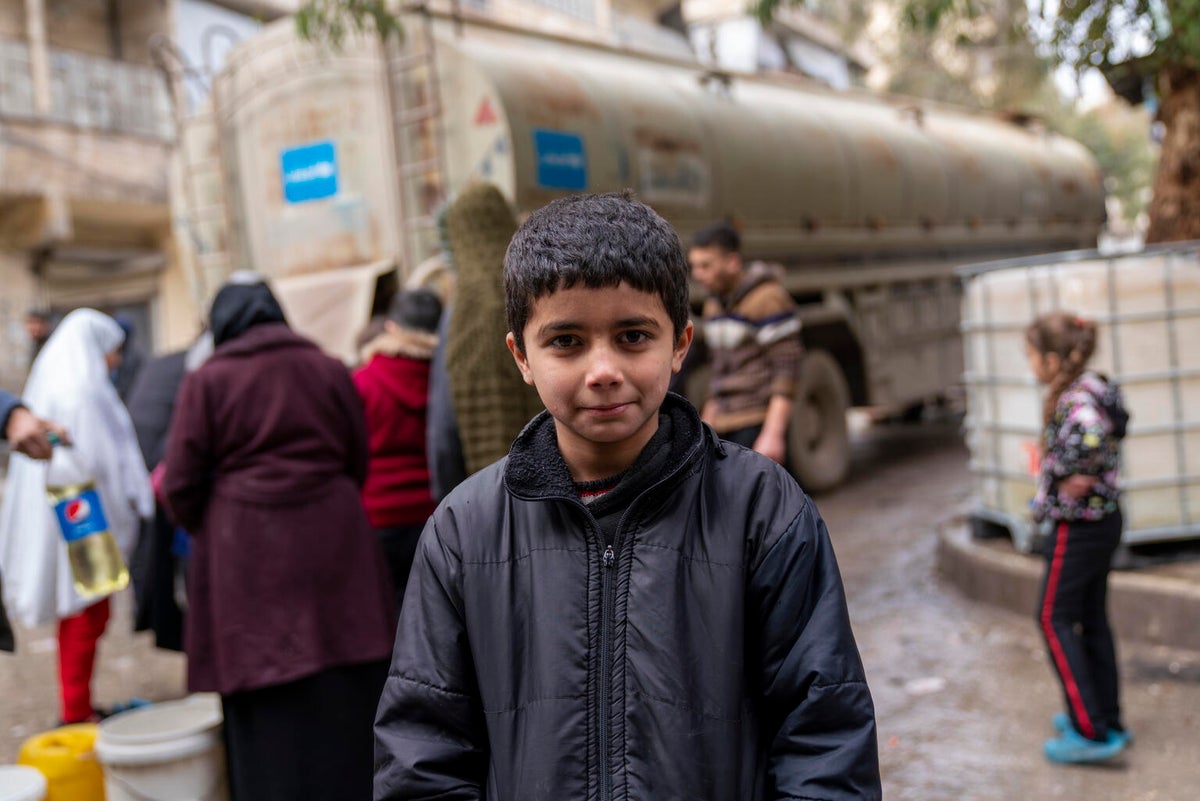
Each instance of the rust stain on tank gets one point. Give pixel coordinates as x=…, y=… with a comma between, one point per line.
x=966, y=161
x=553, y=95
x=880, y=152
x=664, y=143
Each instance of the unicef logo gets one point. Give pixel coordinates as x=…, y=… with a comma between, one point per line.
x=78, y=511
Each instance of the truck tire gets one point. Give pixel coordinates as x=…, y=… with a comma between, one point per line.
x=818, y=438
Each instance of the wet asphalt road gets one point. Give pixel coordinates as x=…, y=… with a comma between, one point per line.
x=963, y=691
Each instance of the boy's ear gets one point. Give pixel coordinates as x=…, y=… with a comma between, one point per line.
x=681, y=347
x=519, y=358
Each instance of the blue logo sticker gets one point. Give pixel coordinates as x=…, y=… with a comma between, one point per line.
x=310, y=172
x=80, y=516
x=561, y=163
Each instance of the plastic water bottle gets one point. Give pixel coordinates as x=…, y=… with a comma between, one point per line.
x=96, y=563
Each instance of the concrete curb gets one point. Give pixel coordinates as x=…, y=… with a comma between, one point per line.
x=1143, y=605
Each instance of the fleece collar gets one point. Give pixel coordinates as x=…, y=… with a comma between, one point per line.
x=406, y=342
x=536, y=469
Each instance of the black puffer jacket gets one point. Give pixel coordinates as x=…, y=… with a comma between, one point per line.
x=707, y=655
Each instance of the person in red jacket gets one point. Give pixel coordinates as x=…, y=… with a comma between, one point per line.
x=394, y=386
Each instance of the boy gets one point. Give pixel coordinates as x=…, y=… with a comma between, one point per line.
x=625, y=607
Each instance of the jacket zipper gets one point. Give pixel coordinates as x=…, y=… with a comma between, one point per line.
x=607, y=604
x=608, y=559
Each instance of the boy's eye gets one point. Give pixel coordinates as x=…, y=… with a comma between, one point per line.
x=563, y=341
x=634, y=337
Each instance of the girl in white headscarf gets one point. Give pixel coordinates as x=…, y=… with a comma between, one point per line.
x=69, y=383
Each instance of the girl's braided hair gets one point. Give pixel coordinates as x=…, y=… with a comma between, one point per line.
x=1073, y=340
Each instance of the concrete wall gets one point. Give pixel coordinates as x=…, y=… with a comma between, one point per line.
x=177, y=317
x=141, y=19
x=79, y=25
x=18, y=296
x=82, y=164
x=12, y=20
x=83, y=26
x=86, y=180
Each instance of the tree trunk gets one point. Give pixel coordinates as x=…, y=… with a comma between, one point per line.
x=1175, y=208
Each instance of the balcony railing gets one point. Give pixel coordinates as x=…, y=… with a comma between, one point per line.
x=88, y=93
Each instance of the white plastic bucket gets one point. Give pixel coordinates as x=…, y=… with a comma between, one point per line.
x=21, y=783
x=166, y=752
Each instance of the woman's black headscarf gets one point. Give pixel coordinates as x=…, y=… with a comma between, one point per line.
x=239, y=307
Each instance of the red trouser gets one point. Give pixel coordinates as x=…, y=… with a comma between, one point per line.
x=77, y=638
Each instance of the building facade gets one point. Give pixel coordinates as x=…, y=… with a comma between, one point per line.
x=87, y=131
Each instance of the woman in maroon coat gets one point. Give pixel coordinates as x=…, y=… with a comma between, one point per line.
x=290, y=612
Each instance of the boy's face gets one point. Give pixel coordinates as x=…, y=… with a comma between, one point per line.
x=716, y=269
x=601, y=360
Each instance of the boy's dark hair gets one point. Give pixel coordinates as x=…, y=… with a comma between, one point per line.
x=418, y=309
x=719, y=234
x=599, y=241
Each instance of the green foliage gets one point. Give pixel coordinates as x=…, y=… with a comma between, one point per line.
x=1101, y=33
x=1080, y=33
x=1118, y=136
x=927, y=15
x=766, y=10
x=329, y=21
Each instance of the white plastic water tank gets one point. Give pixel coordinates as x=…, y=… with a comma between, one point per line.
x=1147, y=307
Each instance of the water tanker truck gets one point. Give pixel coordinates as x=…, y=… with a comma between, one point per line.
x=324, y=169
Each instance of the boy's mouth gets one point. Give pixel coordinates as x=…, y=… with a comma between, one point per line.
x=607, y=409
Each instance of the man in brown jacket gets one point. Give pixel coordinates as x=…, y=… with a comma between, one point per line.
x=753, y=337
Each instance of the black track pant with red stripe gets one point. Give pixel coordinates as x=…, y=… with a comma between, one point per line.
x=1073, y=617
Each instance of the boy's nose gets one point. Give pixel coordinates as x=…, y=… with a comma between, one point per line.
x=603, y=368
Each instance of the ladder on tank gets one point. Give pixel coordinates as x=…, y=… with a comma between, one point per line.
x=416, y=104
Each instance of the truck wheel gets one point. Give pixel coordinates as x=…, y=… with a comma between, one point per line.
x=818, y=439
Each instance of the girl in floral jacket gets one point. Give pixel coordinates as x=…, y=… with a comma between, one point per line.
x=1084, y=420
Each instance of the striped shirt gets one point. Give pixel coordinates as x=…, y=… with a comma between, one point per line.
x=753, y=337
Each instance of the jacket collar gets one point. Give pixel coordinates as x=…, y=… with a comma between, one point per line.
x=535, y=469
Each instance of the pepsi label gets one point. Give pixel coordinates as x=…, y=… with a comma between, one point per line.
x=80, y=516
